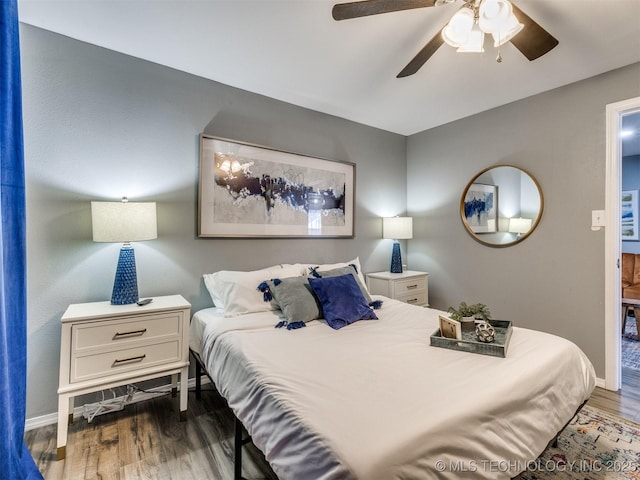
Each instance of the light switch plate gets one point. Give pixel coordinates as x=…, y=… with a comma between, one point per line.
x=597, y=218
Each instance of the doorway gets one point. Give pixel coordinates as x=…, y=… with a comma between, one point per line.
x=616, y=113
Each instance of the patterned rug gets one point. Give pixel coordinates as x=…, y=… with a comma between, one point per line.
x=594, y=446
x=630, y=345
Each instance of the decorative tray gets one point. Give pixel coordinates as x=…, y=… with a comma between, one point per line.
x=469, y=343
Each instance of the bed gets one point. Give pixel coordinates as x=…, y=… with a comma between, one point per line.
x=374, y=400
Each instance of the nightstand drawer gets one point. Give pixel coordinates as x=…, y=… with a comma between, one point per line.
x=124, y=360
x=415, y=298
x=409, y=285
x=116, y=333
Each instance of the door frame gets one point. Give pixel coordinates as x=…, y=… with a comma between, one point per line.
x=613, y=243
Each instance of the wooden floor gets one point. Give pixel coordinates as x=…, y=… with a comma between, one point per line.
x=147, y=440
x=624, y=403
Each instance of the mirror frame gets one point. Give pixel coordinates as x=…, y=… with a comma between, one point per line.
x=477, y=237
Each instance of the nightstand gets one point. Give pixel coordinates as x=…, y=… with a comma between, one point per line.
x=409, y=286
x=103, y=346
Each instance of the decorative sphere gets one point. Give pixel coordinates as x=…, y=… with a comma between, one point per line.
x=485, y=332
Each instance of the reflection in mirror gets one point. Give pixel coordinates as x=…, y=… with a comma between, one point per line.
x=501, y=205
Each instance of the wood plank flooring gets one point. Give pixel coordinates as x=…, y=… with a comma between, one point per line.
x=624, y=403
x=147, y=440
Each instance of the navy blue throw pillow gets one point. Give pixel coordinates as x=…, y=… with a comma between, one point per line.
x=342, y=301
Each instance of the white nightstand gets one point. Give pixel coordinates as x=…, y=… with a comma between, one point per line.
x=103, y=346
x=409, y=286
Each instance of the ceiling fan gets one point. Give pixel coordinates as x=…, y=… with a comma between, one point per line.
x=466, y=29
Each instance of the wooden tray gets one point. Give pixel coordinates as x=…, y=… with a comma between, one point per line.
x=469, y=343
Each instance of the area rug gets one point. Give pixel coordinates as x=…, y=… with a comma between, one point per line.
x=594, y=446
x=630, y=345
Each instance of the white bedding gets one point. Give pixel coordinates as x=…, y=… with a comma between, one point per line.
x=375, y=401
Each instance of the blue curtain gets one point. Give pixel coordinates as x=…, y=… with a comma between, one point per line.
x=15, y=460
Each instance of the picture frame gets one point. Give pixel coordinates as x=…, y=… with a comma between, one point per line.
x=450, y=328
x=481, y=208
x=247, y=190
x=629, y=212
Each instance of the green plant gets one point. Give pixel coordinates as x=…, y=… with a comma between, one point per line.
x=478, y=310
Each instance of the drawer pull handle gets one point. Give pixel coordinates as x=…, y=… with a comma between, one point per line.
x=125, y=360
x=412, y=300
x=411, y=287
x=128, y=334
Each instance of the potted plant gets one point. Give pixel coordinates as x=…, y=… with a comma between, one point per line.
x=468, y=314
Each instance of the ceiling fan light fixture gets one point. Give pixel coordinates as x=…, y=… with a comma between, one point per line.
x=511, y=28
x=533, y=44
x=493, y=15
x=475, y=42
x=459, y=28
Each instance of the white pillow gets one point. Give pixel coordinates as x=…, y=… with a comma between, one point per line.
x=301, y=268
x=331, y=266
x=237, y=292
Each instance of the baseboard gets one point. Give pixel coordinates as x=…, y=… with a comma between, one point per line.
x=52, y=418
x=599, y=382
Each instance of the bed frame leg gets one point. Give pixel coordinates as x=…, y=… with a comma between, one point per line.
x=237, y=453
x=237, y=458
x=554, y=443
x=238, y=441
x=198, y=380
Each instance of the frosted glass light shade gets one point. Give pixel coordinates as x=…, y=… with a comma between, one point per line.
x=457, y=31
x=510, y=29
x=519, y=225
x=397, y=228
x=493, y=15
x=122, y=222
x=465, y=31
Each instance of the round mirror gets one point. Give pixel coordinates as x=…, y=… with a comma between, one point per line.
x=501, y=205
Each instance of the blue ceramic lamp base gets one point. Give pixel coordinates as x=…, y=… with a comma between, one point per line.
x=125, y=286
x=396, y=258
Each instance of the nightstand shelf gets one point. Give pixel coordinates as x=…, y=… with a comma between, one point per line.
x=103, y=346
x=409, y=286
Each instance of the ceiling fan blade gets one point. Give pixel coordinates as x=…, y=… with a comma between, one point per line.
x=533, y=41
x=344, y=11
x=423, y=55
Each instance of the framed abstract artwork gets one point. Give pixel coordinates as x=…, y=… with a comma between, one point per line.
x=248, y=190
x=629, y=211
x=481, y=208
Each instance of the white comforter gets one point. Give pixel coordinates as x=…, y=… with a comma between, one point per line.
x=375, y=401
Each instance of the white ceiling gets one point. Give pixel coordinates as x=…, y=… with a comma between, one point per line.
x=294, y=51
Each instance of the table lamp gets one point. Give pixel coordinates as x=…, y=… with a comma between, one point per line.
x=519, y=226
x=397, y=228
x=124, y=222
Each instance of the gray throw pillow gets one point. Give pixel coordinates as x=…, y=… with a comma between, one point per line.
x=295, y=298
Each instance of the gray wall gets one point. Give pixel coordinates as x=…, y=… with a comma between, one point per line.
x=100, y=125
x=553, y=280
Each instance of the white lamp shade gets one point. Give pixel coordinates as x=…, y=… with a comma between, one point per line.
x=397, y=228
x=466, y=32
x=122, y=222
x=511, y=28
x=493, y=15
x=519, y=225
x=457, y=31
